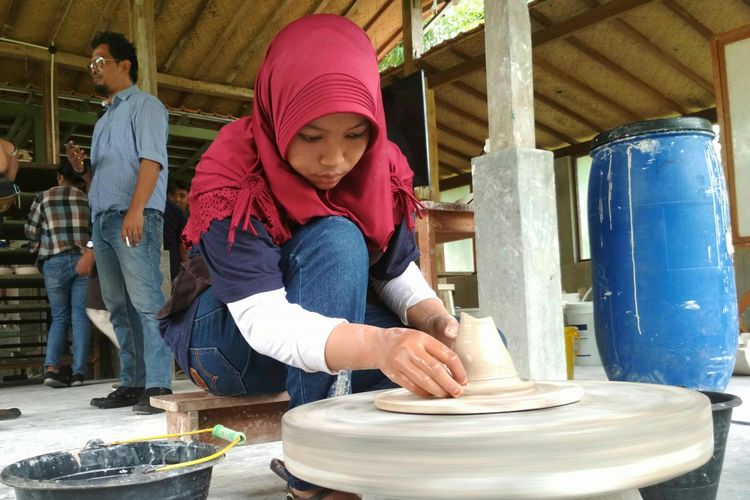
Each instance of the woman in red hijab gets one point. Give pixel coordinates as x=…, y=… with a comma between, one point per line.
x=297, y=211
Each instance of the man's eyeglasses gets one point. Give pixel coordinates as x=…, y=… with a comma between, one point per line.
x=99, y=62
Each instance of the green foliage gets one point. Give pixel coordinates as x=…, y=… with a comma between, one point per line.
x=459, y=17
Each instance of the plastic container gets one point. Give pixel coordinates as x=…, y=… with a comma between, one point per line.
x=665, y=304
x=116, y=472
x=572, y=348
x=581, y=316
x=703, y=482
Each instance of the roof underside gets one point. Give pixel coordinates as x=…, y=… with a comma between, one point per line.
x=597, y=64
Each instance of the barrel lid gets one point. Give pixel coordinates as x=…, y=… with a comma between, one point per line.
x=651, y=126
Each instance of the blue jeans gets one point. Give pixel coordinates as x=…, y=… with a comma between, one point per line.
x=130, y=280
x=220, y=359
x=66, y=293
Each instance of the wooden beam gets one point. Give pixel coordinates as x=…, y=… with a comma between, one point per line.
x=352, y=7
x=570, y=80
x=690, y=19
x=451, y=168
x=413, y=37
x=269, y=27
x=389, y=44
x=432, y=144
x=458, y=71
x=553, y=132
x=51, y=114
x=193, y=160
x=57, y=21
x=377, y=15
x=159, y=8
x=613, y=67
x=575, y=150
x=80, y=63
x=105, y=20
x=453, y=151
x=224, y=40
x=582, y=148
x=10, y=16
x=205, y=88
x=143, y=36
x=566, y=111
x=442, y=127
x=321, y=6
x=632, y=33
x=546, y=35
x=455, y=181
x=443, y=104
x=584, y=20
x=185, y=35
x=395, y=37
x=625, y=75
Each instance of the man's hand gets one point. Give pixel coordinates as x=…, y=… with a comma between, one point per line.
x=132, y=227
x=76, y=155
x=85, y=265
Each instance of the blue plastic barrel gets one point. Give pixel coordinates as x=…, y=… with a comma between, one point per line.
x=665, y=304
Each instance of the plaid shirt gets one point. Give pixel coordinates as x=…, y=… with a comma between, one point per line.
x=59, y=220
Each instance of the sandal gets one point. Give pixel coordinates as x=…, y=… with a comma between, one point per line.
x=278, y=468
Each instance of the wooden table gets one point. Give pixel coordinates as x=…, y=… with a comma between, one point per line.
x=441, y=223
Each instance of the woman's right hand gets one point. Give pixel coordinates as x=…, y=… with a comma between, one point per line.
x=420, y=363
x=76, y=155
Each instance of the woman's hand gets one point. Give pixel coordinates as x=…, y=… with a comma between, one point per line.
x=420, y=363
x=443, y=327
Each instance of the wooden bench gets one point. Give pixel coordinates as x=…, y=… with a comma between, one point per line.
x=259, y=417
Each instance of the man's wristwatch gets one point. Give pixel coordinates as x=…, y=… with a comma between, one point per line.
x=90, y=244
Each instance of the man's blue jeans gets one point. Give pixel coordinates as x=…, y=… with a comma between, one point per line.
x=130, y=280
x=66, y=293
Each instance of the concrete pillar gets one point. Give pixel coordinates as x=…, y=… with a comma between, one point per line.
x=518, y=264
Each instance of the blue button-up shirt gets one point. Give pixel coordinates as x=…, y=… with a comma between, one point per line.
x=133, y=127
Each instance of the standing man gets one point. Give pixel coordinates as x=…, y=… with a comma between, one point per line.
x=127, y=196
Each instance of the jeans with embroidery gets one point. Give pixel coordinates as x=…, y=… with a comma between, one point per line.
x=130, y=279
x=66, y=293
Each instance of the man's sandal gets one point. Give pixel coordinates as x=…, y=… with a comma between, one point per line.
x=278, y=468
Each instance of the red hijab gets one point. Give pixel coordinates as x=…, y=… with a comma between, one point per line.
x=316, y=66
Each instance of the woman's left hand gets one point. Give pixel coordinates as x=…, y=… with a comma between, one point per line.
x=444, y=327
x=431, y=317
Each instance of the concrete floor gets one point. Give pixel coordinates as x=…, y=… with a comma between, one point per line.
x=60, y=419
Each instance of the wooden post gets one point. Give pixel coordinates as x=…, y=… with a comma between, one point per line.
x=432, y=136
x=412, y=27
x=50, y=113
x=142, y=35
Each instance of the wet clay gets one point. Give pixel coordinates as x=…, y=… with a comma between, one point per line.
x=494, y=385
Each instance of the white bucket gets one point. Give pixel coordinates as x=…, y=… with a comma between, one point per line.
x=581, y=315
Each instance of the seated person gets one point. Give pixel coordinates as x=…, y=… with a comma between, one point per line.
x=298, y=211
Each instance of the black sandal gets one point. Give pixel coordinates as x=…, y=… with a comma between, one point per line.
x=278, y=468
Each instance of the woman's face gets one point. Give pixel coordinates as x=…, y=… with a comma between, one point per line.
x=326, y=149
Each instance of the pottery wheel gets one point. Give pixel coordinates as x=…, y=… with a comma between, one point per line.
x=484, y=398
x=618, y=436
